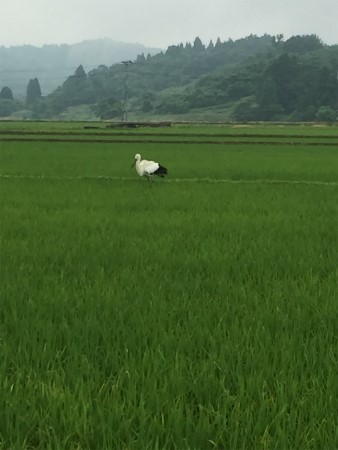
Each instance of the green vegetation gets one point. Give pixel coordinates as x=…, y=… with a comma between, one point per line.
x=264, y=129
x=6, y=94
x=251, y=79
x=33, y=91
x=52, y=64
x=185, y=313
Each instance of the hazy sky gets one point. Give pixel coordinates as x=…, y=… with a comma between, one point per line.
x=160, y=23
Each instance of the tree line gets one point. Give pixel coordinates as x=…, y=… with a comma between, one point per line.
x=254, y=78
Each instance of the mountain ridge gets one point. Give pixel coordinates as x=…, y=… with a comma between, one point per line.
x=253, y=78
x=53, y=63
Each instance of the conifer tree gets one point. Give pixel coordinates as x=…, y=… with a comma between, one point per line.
x=6, y=94
x=33, y=91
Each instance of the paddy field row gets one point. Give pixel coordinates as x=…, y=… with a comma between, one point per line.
x=193, y=314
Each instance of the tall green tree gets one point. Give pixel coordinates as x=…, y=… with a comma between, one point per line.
x=198, y=45
x=80, y=72
x=33, y=91
x=6, y=94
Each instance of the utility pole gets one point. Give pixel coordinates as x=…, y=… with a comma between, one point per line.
x=125, y=96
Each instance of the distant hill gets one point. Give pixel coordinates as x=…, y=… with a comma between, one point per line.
x=254, y=78
x=52, y=64
x=150, y=78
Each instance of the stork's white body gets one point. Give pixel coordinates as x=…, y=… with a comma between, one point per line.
x=148, y=168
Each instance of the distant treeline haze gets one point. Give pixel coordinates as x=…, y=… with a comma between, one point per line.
x=256, y=78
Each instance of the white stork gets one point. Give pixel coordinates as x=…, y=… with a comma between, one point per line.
x=148, y=168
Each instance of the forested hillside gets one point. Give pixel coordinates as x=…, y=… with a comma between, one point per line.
x=52, y=64
x=255, y=78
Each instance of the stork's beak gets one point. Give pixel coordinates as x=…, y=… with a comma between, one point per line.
x=133, y=163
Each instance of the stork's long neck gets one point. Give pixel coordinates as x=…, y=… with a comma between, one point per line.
x=138, y=166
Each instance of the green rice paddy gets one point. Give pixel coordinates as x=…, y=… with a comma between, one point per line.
x=197, y=312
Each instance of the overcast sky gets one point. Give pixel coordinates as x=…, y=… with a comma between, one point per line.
x=159, y=23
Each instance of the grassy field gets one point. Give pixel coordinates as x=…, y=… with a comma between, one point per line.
x=198, y=312
x=183, y=128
